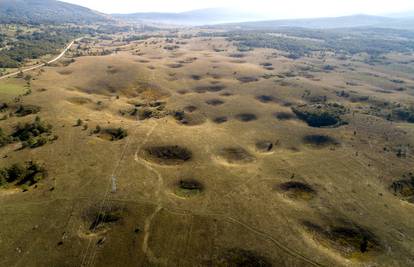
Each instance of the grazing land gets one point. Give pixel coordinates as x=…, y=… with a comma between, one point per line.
x=208, y=146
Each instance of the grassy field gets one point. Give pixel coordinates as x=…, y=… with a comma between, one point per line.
x=231, y=159
x=12, y=87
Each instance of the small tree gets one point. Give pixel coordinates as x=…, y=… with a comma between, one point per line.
x=79, y=122
x=97, y=129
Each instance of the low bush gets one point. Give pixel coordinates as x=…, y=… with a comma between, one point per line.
x=116, y=133
x=113, y=134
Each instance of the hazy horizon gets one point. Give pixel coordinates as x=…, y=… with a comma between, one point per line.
x=276, y=9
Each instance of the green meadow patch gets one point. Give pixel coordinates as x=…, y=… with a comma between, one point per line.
x=12, y=87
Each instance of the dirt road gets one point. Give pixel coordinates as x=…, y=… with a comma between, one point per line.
x=43, y=64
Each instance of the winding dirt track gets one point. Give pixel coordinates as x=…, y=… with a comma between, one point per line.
x=43, y=64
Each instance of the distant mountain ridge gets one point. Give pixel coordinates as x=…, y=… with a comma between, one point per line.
x=321, y=23
x=56, y=12
x=217, y=16
x=194, y=17
x=46, y=11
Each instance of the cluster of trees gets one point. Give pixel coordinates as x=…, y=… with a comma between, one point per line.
x=321, y=115
x=33, y=134
x=24, y=175
x=46, y=11
x=44, y=41
x=402, y=114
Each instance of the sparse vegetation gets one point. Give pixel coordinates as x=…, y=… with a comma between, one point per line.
x=236, y=141
x=300, y=42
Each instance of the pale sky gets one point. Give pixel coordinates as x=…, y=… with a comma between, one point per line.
x=279, y=9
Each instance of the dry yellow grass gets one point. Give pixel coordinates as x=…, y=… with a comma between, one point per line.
x=241, y=213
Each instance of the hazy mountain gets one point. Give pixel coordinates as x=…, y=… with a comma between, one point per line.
x=195, y=17
x=46, y=11
x=406, y=14
x=233, y=18
x=403, y=23
x=52, y=11
x=319, y=23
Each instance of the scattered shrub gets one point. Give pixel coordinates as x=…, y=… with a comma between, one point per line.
x=79, y=122
x=116, y=133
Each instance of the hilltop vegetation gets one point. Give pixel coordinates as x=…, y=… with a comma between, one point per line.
x=25, y=42
x=298, y=42
x=46, y=11
x=35, y=45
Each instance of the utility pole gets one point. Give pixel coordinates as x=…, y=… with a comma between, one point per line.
x=113, y=184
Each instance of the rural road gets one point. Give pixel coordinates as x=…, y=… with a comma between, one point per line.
x=43, y=64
